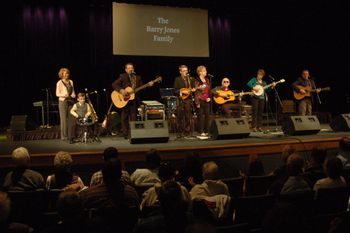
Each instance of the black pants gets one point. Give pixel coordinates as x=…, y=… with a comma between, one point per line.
x=184, y=115
x=258, y=110
x=203, y=116
x=128, y=114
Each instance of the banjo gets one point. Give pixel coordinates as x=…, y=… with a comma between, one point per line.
x=259, y=90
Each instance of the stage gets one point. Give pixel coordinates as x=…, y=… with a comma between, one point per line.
x=260, y=143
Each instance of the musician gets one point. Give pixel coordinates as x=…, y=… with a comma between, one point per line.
x=305, y=104
x=224, y=91
x=128, y=79
x=202, y=100
x=66, y=95
x=80, y=110
x=184, y=86
x=258, y=101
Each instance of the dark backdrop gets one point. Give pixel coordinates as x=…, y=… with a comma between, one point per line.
x=42, y=36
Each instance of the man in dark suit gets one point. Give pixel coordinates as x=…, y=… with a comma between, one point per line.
x=128, y=79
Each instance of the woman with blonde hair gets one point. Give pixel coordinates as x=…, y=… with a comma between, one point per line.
x=66, y=98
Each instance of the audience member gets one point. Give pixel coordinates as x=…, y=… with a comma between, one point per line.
x=70, y=209
x=173, y=217
x=333, y=168
x=149, y=175
x=6, y=226
x=115, y=203
x=21, y=178
x=255, y=167
x=294, y=182
x=281, y=171
x=191, y=173
x=63, y=177
x=284, y=218
x=344, y=151
x=108, y=154
x=150, y=198
x=314, y=169
x=211, y=185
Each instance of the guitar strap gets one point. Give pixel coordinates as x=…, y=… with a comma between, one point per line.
x=69, y=88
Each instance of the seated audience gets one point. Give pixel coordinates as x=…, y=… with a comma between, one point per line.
x=108, y=154
x=70, y=210
x=172, y=218
x=344, y=151
x=115, y=204
x=6, y=226
x=191, y=173
x=63, y=177
x=149, y=175
x=294, y=182
x=314, y=169
x=211, y=185
x=285, y=218
x=21, y=178
x=333, y=168
x=255, y=167
x=150, y=197
x=281, y=171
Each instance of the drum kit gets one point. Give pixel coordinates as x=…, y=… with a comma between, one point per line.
x=84, y=123
x=170, y=101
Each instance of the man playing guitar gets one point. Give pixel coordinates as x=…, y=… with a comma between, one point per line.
x=225, y=97
x=128, y=79
x=301, y=85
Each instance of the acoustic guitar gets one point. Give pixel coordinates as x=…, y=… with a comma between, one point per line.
x=231, y=96
x=259, y=90
x=308, y=90
x=186, y=92
x=120, y=100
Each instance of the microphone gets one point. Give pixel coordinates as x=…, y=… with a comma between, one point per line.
x=210, y=75
x=133, y=73
x=271, y=77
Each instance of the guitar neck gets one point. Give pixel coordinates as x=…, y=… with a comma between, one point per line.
x=141, y=87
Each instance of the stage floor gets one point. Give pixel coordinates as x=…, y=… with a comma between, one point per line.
x=50, y=147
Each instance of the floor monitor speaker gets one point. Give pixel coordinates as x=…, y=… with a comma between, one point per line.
x=229, y=128
x=149, y=131
x=301, y=125
x=341, y=122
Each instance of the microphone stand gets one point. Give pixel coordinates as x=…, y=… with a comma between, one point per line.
x=47, y=108
x=314, y=86
x=277, y=100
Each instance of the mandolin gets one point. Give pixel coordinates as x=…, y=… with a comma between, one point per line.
x=186, y=92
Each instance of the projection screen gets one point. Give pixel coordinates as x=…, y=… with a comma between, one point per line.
x=148, y=30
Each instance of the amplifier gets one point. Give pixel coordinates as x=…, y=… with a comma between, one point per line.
x=153, y=110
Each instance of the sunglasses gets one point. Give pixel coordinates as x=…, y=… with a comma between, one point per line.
x=226, y=82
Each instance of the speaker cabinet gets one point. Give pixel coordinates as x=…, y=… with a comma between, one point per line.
x=21, y=123
x=341, y=122
x=301, y=125
x=229, y=128
x=149, y=131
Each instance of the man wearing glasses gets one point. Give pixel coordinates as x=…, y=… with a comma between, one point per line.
x=225, y=97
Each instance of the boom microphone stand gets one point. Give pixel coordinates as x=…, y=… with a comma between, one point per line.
x=277, y=100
